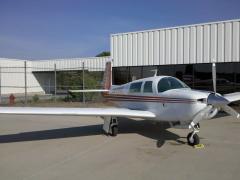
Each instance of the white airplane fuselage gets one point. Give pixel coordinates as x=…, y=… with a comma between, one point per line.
x=177, y=104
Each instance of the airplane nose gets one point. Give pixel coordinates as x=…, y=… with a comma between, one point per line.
x=216, y=100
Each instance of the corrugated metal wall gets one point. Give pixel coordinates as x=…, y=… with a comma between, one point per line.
x=12, y=77
x=201, y=43
x=92, y=64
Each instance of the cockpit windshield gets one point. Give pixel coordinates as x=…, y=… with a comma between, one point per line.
x=168, y=83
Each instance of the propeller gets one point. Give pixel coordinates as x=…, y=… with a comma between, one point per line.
x=214, y=101
x=218, y=100
x=231, y=111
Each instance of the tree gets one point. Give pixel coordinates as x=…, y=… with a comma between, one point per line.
x=72, y=80
x=104, y=53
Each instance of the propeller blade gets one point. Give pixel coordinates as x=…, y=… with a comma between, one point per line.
x=231, y=111
x=217, y=100
x=214, y=77
x=201, y=115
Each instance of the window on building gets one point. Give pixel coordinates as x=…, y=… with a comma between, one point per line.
x=135, y=87
x=170, y=83
x=237, y=74
x=203, y=77
x=135, y=73
x=148, y=87
x=120, y=75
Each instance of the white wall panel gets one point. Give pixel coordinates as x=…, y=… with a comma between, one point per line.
x=162, y=47
x=135, y=50
x=213, y=43
x=168, y=47
x=156, y=47
x=130, y=49
x=236, y=41
x=206, y=43
x=200, y=43
x=115, y=48
x=145, y=48
x=228, y=42
x=120, y=52
x=92, y=64
x=193, y=44
x=186, y=44
x=180, y=46
x=174, y=47
x=125, y=50
x=139, y=49
x=12, y=77
x=151, y=50
x=220, y=56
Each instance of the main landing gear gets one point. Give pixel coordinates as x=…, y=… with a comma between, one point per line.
x=110, y=126
x=193, y=138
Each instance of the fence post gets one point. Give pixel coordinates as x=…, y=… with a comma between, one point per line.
x=55, y=82
x=25, y=83
x=83, y=83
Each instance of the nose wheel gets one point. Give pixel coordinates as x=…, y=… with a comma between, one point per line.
x=193, y=139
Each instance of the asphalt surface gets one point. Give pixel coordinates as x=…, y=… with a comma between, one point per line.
x=53, y=147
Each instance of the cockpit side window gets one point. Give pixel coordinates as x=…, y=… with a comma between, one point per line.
x=163, y=85
x=135, y=87
x=148, y=87
x=168, y=83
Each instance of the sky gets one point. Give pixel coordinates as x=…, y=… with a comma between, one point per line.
x=47, y=29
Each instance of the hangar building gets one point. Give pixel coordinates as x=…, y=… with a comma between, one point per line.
x=40, y=73
x=185, y=52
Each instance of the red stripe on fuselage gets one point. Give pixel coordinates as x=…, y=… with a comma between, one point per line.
x=120, y=97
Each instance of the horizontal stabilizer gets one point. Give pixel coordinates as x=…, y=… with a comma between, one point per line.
x=89, y=90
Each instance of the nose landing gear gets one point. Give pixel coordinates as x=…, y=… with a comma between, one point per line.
x=193, y=138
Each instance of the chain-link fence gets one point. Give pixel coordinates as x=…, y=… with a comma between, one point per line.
x=23, y=83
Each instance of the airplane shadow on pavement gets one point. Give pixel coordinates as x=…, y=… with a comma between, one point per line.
x=154, y=130
x=145, y=128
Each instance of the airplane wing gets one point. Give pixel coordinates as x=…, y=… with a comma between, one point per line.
x=118, y=112
x=232, y=96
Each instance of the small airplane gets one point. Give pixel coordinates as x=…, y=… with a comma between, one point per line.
x=157, y=98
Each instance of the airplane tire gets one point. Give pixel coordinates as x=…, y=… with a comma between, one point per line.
x=195, y=139
x=114, y=131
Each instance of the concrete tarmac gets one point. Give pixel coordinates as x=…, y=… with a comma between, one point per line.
x=70, y=147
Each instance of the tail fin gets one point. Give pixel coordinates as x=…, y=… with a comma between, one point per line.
x=107, y=78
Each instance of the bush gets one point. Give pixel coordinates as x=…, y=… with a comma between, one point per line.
x=35, y=98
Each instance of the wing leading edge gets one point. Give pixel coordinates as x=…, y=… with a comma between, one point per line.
x=118, y=112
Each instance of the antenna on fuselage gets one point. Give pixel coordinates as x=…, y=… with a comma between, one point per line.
x=155, y=72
